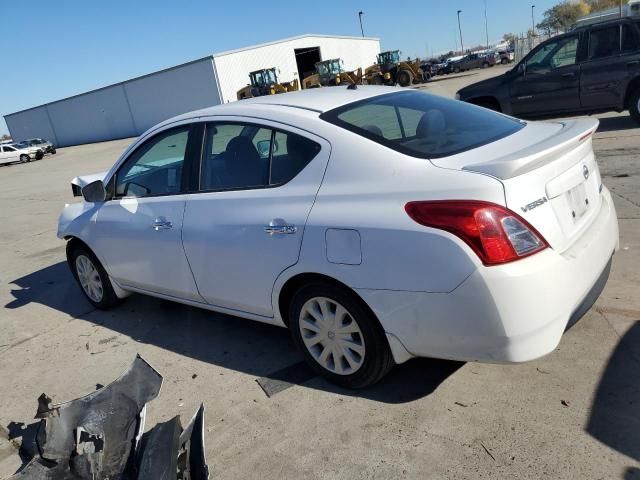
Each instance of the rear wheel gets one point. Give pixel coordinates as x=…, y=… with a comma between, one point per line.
x=339, y=337
x=53, y=151
x=485, y=65
x=634, y=105
x=92, y=278
x=404, y=78
x=456, y=70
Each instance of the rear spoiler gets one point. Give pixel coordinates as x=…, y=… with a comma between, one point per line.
x=572, y=133
x=79, y=182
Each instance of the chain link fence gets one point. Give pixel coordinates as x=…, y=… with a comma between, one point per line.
x=523, y=45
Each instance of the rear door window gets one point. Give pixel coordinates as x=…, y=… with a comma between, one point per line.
x=604, y=42
x=423, y=125
x=629, y=41
x=241, y=156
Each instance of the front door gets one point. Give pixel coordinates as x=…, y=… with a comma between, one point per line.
x=551, y=80
x=8, y=155
x=613, y=59
x=258, y=184
x=138, y=231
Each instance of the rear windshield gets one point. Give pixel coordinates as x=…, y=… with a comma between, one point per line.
x=423, y=125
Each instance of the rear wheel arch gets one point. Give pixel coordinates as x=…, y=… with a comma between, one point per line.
x=632, y=99
x=633, y=87
x=293, y=284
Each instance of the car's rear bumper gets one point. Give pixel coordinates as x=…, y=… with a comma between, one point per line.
x=509, y=313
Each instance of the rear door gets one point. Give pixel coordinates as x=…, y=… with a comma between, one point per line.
x=258, y=182
x=612, y=60
x=551, y=80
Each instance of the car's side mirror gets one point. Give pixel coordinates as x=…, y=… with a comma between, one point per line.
x=263, y=147
x=94, y=192
x=522, y=68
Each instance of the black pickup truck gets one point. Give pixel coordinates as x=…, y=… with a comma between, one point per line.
x=590, y=69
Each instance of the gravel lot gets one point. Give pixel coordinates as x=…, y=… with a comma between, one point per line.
x=572, y=414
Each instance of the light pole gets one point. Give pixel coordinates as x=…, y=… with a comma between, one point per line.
x=360, y=13
x=460, y=29
x=486, y=23
x=533, y=23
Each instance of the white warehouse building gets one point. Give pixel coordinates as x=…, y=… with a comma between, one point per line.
x=128, y=108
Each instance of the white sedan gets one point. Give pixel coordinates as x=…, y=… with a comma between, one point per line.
x=377, y=224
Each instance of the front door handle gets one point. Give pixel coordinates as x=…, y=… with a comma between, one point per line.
x=162, y=223
x=280, y=227
x=633, y=63
x=569, y=74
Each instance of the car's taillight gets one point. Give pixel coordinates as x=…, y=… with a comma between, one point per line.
x=495, y=233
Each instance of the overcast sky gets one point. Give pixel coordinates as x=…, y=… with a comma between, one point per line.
x=54, y=49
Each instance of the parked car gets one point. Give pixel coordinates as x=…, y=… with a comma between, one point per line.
x=428, y=70
x=377, y=224
x=17, y=152
x=45, y=145
x=591, y=69
x=506, y=56
x=473, y=60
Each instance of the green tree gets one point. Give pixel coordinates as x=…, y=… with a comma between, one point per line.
x=597, y=5
x=563, y=15
x=510, y=38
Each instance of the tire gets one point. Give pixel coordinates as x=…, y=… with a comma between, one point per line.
x=634, y=105
x=92, y=278
x=39, y=155
x=367, y=357
x=404, y=78
x=456, y=70
x=485, y=65
x=376, y=80
x=53, y=152
x=24, y=158
x=504, y=61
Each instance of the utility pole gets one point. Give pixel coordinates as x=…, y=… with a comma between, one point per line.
x=486, y=23
x=460, y=29
x=533, y=23
x=360, y=13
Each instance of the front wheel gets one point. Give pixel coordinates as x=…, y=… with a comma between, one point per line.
x=92, y=278
x=634, y=105
x=339, y=337
x=24, y=158
x=53, y=152
x=404, y=78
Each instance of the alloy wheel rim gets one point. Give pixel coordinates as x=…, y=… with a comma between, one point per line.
x=89, y=278
x=332, y=336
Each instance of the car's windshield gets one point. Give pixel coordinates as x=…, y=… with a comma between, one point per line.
x=423, y=125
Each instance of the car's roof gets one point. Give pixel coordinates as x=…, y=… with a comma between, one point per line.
x=311, y=101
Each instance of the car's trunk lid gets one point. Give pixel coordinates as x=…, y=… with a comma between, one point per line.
x=550, y=177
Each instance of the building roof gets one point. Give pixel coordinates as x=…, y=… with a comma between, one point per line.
x=289, y=39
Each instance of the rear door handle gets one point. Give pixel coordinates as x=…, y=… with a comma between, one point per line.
x=569, y=74
x=280, y=227
x=162, y=223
